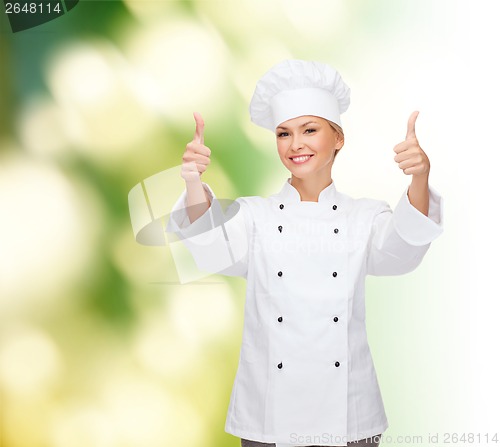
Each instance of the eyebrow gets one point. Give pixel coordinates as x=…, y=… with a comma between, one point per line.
x=302, y=125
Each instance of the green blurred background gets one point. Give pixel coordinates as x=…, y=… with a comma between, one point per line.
x=99, y=344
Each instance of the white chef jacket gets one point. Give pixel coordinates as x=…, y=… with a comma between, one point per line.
x=305, y=373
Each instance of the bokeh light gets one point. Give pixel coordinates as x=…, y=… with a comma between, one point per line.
x=46, y=240
x=30, y=362
x=41, y=127
x=91, y=83
x=185, y=64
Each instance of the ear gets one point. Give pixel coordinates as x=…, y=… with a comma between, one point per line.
x=339, y=137
x=340, y=142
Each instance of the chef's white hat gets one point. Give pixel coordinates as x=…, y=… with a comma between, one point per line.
x=295, y=88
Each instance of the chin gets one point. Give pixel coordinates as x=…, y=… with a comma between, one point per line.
x=302, y=174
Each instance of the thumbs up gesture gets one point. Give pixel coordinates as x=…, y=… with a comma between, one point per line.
x=409, y=155
x=196, y=157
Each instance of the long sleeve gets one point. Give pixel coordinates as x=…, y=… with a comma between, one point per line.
x=400, y=239
x=217, y=240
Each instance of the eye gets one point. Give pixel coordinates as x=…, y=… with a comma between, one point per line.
x=310, y=130
x=282, y=134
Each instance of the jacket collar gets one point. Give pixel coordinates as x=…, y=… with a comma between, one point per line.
x=289, y=194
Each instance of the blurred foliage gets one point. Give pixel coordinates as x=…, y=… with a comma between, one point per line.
x=99, y=344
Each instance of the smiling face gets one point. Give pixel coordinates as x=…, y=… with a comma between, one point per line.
x=307, y=146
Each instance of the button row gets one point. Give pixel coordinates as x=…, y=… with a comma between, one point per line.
x=280, y=229
x=334, y=207
x=280, y=319
x=280, y=274
x=280, y=365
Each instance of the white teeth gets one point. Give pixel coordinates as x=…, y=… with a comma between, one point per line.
x=301, y=159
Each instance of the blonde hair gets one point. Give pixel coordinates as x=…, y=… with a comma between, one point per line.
x=339, y=130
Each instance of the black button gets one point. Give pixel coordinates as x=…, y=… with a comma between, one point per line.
x=335, y=319
x=280, y=273
x=282, y=206
x=334, y=274
x=336, y=230
x=280, y=228
x=280, y=319
x=334, y=207
x=337, y=364
x=280, y=365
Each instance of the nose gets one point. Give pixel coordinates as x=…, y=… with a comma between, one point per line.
x=296, y=142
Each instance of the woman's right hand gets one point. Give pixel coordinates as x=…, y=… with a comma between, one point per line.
x=195, y=161
x=196, y=157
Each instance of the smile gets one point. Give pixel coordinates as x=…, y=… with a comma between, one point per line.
x=301, y=159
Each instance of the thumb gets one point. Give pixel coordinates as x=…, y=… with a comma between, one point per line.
x=410, y=132
x=200, y=126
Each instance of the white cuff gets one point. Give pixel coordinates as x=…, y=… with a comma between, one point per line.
x=179, y=223
x=415, y=227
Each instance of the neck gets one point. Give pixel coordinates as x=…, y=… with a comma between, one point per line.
x=310, y=188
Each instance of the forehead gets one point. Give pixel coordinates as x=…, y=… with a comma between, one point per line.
x=300, y=121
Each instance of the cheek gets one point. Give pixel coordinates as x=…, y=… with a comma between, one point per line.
x=327, y=146
x=281, y=150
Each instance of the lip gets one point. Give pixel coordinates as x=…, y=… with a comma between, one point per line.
x=299, y=156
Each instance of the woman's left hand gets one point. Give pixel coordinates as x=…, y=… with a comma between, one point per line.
x=409, y=155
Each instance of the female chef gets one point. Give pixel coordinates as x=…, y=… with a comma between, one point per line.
x=305, y=373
